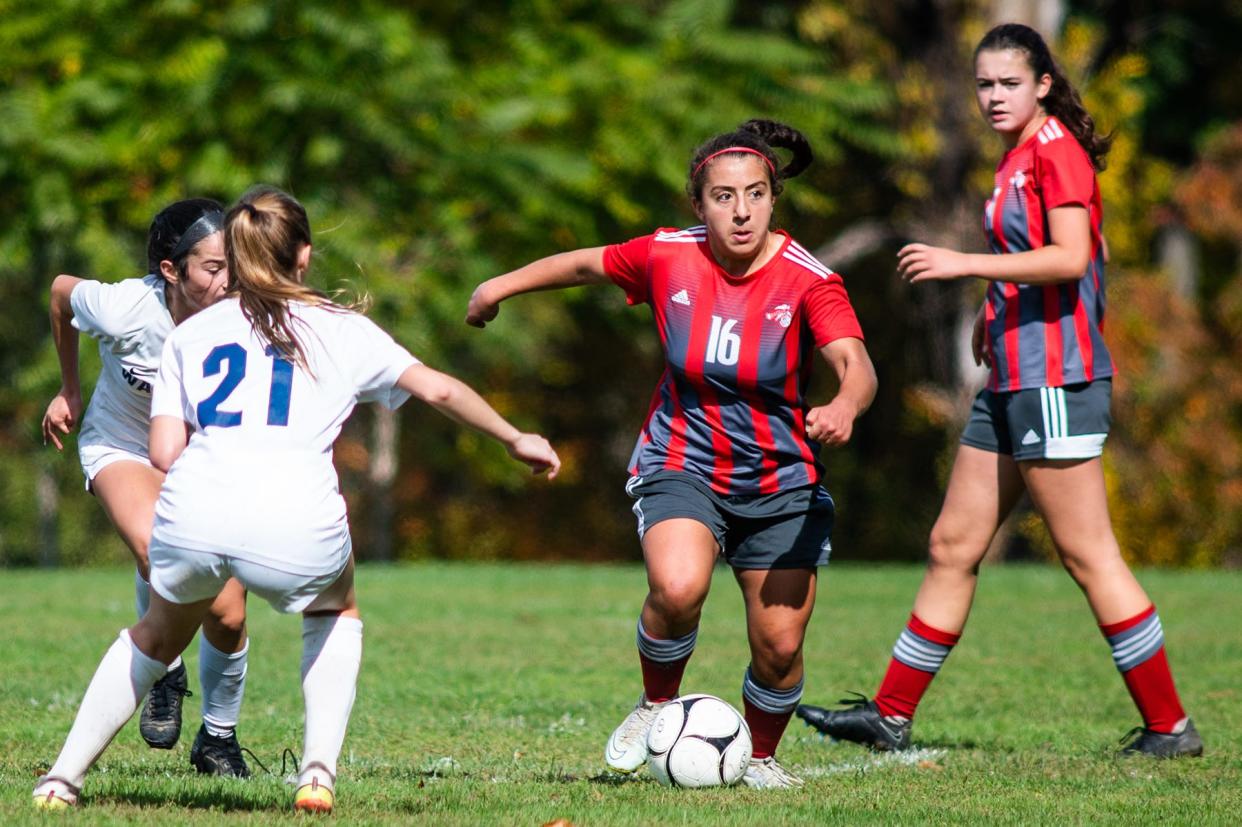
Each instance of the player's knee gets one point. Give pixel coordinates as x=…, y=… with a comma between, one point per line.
x=775, y=659
x=227, y=620
x=678, y=600
x=951, y=551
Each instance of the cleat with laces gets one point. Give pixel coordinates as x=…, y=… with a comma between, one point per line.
x=160, y=724
x=1144, y=741
x=212, y=755
x=862, y=722
x=314, y=793
x=54, y=794
x=626, y=749
x=767, y=774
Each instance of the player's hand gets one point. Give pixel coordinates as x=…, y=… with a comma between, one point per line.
x=62, y=416
x=979, y=340
x=482, y=309
x=831, y=424
x=536, y=452
x=922, y=262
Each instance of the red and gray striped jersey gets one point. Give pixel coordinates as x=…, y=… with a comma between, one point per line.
x=730, y=408
x=1045, y=335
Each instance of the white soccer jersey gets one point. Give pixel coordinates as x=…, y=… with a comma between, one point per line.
x=256, y=480
x=131, y=321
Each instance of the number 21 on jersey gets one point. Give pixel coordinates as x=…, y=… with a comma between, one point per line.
x=231, y=358
x=723, y=345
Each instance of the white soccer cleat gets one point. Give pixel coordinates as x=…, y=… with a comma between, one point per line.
x=766, y=774
x=54, y=794
x=626, y=749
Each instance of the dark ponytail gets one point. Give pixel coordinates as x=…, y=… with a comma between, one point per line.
x=170, y=225
x=758, y=136
x=1062, y=100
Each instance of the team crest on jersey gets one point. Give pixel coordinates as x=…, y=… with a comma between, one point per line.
x=1019, y=179
x=782, y=314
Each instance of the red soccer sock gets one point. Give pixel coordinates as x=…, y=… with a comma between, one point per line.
x=917, y=657
x=662, y=681
x=1140, y=638
x=766, y=728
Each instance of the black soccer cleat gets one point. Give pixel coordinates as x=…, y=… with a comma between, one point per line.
x=212, y=755
x=160, y=724
x=1163, y=744
x=862, y=723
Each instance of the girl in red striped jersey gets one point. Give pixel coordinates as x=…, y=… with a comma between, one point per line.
x=1040, y=424
x=727, y=461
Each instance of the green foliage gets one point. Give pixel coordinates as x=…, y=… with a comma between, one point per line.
x=487, y=691
x=433, y=147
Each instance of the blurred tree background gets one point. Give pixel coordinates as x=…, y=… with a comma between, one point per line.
x=437, y=144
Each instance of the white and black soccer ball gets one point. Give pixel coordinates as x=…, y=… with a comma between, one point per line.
x=698, y=741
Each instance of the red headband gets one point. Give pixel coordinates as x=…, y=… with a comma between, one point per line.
x=729, y=149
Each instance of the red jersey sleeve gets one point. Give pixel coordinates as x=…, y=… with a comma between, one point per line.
x=626, y=265
x=828, y=312
x=1064, y=174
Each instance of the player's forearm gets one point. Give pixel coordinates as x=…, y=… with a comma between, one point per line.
x=458, y=401
x=1053, y=264
x=855, y=374
x=64, y=334
x=576, y=267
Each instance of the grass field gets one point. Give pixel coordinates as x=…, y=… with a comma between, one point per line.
x=487, y=692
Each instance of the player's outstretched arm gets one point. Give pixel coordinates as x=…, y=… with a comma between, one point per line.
x=458, y=401
x=585, y=266
x=65, y=410
x=833, y=424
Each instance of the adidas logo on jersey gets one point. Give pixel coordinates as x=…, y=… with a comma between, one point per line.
x=1030, y=437
x=681, y=297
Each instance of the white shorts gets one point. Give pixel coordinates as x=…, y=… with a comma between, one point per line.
x=95, y=458
x=183, y=576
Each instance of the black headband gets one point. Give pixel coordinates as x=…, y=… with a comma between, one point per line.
x=207, y=223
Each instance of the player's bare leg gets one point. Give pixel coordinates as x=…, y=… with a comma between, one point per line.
x=983, y=489
x=128, y=492
x=779, y=603
x=331, y=657
x=679, y=554
x=138, y=658
x=1071, y=496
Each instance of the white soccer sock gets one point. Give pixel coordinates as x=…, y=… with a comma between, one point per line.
x=142, y=602
x=223, y=677
x=124, y=677
x=331, y=655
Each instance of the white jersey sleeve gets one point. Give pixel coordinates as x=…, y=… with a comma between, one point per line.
x=378, y=362
x=115, y=314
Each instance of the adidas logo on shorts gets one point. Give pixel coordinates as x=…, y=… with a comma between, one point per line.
x=1030, y=437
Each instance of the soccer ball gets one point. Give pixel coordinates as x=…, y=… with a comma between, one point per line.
x=698, y=741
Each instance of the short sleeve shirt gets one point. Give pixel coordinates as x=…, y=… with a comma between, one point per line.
x=256, y=479
x=731, y=408
x=130, y=320
x=1045, y=335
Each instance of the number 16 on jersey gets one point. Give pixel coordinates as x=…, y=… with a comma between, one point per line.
x=723, y=345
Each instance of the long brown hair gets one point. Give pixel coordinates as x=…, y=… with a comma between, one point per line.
x=264, y=232
x=1062, y=100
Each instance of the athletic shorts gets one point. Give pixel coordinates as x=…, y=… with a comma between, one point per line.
x=184, y=576
x=1042, y=423
x=786, y=530
x=95, y=458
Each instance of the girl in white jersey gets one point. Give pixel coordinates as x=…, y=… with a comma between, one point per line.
x=250, y=396
x=131, y=319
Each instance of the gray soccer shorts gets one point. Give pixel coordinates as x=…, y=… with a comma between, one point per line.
x=1042, y=423
x=786, y=530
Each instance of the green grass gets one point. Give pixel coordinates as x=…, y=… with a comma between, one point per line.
x=487, y=692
